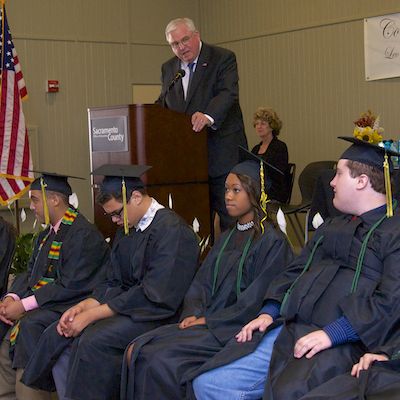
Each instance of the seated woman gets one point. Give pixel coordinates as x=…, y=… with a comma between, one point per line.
x=374, y=377
x=271, y=149
x=227, y=292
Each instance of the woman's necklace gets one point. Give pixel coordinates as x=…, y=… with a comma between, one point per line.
x=244, y=227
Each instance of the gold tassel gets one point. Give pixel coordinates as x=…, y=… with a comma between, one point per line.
x=388, y=188
x=264, y=197
x=45, y=206
x=125, y=212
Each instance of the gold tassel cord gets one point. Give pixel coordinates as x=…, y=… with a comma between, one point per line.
x=45, y=206
x=125, y=212
x=264, y=197
x=388, y=188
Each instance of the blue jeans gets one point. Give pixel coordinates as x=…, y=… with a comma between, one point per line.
x=243, y=379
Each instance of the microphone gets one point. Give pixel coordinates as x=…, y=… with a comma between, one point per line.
x=179, y=75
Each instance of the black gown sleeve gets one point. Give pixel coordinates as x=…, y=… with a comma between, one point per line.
x=84, y=257
x=171, y=265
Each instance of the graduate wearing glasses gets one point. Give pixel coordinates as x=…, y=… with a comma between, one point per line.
x=153, y=261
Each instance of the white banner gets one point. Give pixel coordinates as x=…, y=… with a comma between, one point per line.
x=382, y=46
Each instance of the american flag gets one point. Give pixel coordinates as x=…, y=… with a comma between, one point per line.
x=15, y=161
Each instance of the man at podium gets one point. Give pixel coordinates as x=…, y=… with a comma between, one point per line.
x=202, y=80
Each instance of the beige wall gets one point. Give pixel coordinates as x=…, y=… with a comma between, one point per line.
x=303, y=57
x=97, y=49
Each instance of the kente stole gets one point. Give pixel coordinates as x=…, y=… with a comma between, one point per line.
x=53, y=259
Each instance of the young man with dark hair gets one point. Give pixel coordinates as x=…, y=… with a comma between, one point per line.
x=68, y=261
x=153, y=264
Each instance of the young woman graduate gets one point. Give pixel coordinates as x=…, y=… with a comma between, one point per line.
x=227, y=292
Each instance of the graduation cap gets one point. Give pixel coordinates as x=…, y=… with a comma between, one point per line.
x=54, y=182
x=250, y=163
x=121, y=177
x=367, y=153
x=375, y=156
x=253, y=166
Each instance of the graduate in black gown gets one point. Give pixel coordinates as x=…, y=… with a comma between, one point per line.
x=376, y=376
x=337, y=300
x=69, y=259
x=7, y=247
x=226, y=293
x=154, y=260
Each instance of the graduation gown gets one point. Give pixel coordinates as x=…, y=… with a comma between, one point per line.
x=322, y=295
x=381, y=381
x=7, y=247
x=164, y=357
x=150, y=274
x=82, y=265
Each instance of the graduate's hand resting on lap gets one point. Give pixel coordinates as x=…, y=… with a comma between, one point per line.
x=311, y=344
x=191, y=321
x=3, y=305
x=365, y=362
x=67, y=318
x=13, y=310
x=79, y=323
x=185, y=323
x=261, y=323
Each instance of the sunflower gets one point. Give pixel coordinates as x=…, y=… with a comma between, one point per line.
x=367, y=134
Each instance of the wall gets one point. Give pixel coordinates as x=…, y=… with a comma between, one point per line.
x=305, y=59
x=97, y=49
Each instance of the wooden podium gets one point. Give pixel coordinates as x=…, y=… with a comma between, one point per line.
x=151, y=135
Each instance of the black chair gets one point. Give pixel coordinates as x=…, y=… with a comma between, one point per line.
x=307, y=182
x=289, y=176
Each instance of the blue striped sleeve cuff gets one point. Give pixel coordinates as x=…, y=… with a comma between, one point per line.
x=341, y=331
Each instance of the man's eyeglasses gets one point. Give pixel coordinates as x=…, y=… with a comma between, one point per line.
x=116, y=213
x=184, y=41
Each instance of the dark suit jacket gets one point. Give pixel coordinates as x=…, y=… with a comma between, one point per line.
x=214, y=90
x=276, y=155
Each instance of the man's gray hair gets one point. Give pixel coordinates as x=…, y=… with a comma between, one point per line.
x=172, y=25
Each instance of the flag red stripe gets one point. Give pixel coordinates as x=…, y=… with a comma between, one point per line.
x=14, y=138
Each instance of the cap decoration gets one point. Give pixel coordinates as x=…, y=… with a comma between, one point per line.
x=367, y=128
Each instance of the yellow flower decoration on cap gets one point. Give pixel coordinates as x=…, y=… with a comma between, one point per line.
x=367, y=128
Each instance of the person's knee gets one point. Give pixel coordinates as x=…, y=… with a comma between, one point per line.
x=200, y=386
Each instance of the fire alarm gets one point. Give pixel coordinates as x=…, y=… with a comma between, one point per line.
x=52, y=86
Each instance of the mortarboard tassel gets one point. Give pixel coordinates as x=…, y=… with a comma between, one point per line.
x=388, y=188
x=45, y=206
x=264, y=197
x=125, y=213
